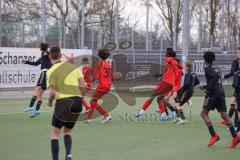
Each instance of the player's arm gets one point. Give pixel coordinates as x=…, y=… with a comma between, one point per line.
x=197, y=81
x=52, y=95
x=232, y=72
x=51, y=87
x=95, y=72
x=82, y=86
x=36, y=63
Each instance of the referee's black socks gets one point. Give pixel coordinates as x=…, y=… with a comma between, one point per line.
x=55, y=149
x=68, y=144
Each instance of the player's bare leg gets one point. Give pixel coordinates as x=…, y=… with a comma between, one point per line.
x=34, y=98
x=146, y=104
x=163, y=116
x=171, y=107
x=232, y=111
x=180, y=115
x=229, y=123
x=37, y=111
x=94, y=105
x=208, y=122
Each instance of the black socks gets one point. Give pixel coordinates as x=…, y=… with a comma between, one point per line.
x=211, y=130
x=33, y=100
x=38, y=105
x=232, y=130
x=68, y=144
x=55, y=149
x=181, y=114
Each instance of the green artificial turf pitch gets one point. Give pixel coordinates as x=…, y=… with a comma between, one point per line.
x=124, y=138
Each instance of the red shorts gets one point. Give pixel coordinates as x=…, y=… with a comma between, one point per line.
x=176, y=88
x=100, y=92
x=163, y=88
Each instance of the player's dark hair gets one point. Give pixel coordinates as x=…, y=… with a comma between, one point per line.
x=85, y=59
x=209, y=57
x=169, y=49
x=103, y=53
x=44, y=46
x=171, y=54
x=55, y=52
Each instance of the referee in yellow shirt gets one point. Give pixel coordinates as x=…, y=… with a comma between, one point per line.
x=66, y=85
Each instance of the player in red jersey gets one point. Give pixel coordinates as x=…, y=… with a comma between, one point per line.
x=104, y=74
x=87, y=74
x=163, y=103
x=166, y=83
x=178, y=79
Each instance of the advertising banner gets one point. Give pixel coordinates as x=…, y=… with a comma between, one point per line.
x=15, y=74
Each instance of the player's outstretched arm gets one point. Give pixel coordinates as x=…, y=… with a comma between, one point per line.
x=233, y=70
x=38, y=62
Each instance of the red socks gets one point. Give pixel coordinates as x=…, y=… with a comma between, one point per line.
x=96, y=106
x=161, y=107
x=84, y=103
x=146, y=104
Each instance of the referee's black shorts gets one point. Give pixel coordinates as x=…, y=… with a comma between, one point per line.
x=42, y=80
x=66, y=112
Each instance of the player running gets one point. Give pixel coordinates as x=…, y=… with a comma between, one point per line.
x=166, y=83
x=215, y=99
x=87, y=74
x=186, y=91
x=66, y=85
x=45, y=63
x=233, y=108
x=104, y=74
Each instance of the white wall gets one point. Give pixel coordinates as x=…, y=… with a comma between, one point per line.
x=15, y=74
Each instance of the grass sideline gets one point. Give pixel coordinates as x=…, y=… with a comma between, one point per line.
x=123, y=138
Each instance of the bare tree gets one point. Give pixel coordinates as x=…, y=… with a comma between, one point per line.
x=232, y=21
x=212, y=9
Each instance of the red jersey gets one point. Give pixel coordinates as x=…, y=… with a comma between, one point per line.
x=169, y=73
x=178, y=77
x=104, y=73
x=87, y=73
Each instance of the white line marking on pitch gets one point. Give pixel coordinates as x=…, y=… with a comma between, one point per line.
x=7, y=113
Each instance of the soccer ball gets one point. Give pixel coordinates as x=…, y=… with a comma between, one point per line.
x=117, y=75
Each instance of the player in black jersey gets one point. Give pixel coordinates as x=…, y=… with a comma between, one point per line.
x=186, y=91
x=215, y=99
x=233, y=109
x=45, y=63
